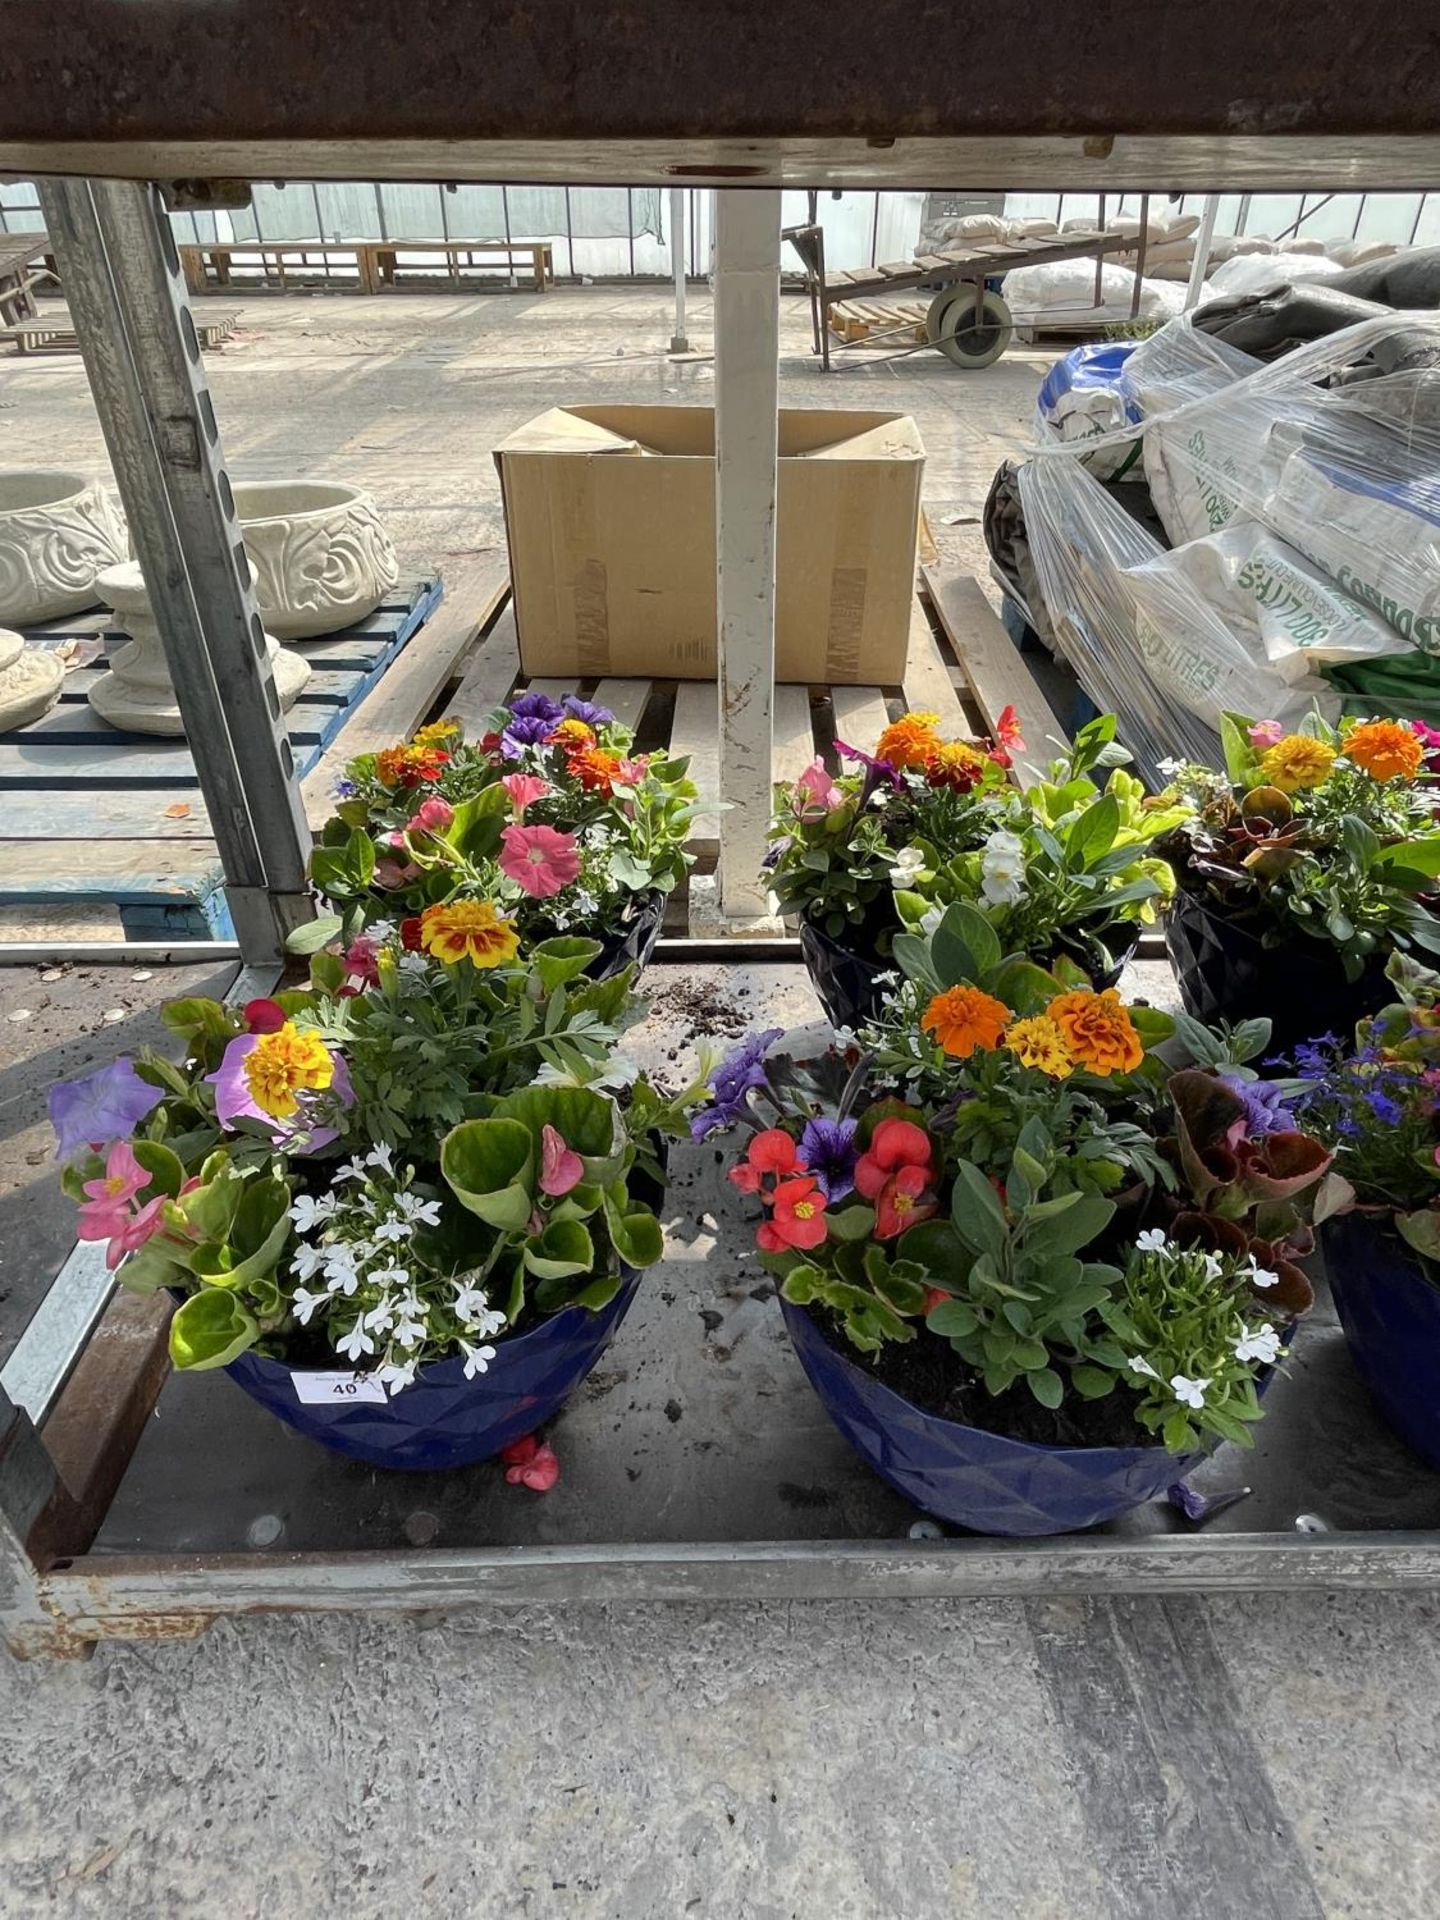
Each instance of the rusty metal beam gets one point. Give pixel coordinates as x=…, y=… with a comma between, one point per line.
x=737, y=89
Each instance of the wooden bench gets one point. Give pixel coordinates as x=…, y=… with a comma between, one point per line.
x=472, y=254
x=54, y=332
x=211, y=267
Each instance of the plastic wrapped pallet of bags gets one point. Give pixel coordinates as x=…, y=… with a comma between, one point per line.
x=1083, y=397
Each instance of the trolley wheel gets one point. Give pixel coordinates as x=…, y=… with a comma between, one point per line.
x=950, y=325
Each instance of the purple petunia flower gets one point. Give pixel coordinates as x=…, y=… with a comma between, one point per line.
x=1264, y=1104
x=532, y=732
x=586, y=710
x=828, y=1149
x=877, y=772
x=104, y=1106
x=537, y=706
x=737, y=1075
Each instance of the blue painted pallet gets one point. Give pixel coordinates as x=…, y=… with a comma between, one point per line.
x=91, y=814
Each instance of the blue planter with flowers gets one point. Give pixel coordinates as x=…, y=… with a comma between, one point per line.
x=1390, y=1310
x=966, y=1475
x=442, y=1419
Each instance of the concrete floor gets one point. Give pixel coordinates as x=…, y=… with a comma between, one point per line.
x=1190, y=1759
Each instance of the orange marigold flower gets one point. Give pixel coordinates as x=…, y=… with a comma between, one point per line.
x=964, y=1018
x=571, y=735
x=596, y=770
x=284, y=1063
x=472, y=930
x=1297, y=762
x=1385, y=749
x=957, y=765
x=910, y=740
x=1098, y=1030
x=409, y=766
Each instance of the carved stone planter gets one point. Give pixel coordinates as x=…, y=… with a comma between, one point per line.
x=137, y=694
x=30, y=681
x=321, y=556
x=57, y=530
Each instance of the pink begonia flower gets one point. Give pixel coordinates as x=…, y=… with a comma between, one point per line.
x=531, y=1463
x=233, y=1099
x=816, y=791
x=106, y=1209
x=631, y=772
x=561, y=1168
x=390, y=873
x=134, y=1232
x=1266, y=733
x=362, y=960
x=542, y=860
x=524, y=790
x=431, y=816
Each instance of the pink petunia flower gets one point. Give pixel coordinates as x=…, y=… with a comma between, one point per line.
x=106, y=1209
x=524, y=790
x=561, y=1168
x=431, y=816
x=1266, y=733
x=542, y=860
x=531, y=1463
x=816, y=791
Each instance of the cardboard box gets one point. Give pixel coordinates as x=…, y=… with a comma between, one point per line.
x=610, y=516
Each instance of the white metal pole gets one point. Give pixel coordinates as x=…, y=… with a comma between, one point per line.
x=747, y=368
x=678, y=341
x=1202, y=250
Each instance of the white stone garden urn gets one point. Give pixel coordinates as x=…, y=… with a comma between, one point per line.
x=30, y=681
x=137, y=694
x=57, y=530
x=321, y=556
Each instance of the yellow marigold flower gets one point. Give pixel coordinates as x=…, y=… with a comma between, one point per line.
x=964, y=1018
x=1039, y=1042
x=572, y=736
x=1297, y=762
x=909, y=741
x=1385, y=750
x=1098, y=1030
x=955, y=763
x=281, y=1064
x=472, y=930
x=436, y=734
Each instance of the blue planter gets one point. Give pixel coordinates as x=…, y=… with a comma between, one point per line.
x=1390, y=1310
x=444, y=1420
x=970, y=1477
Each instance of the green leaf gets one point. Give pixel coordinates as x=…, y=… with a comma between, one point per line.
x=1092, y=1383
x=1065, y=1224
x=564, y=1248
x=209, y=1209
x=637, y=1236
x=896, y=1287
x=912, y=956
x=327, y=972
x=553, y=1294
x=975, y=1210
x=1026, y=987
x=802, y=1284
x=561, y=959
x=1093, y=832
x=150, y=1268
x=937, y=1249
x=1422, y=856
x=312, y=935
x=167, y=1175
x=850, y=1223
x=264, y=1203
x=1047, y=1387
x=218, y=1266
x=964, y=947
x=211, y=1329
x=1241, y=759
x=198, y=1020
x=952, y=1319
x=478, y=824
x=490, y=1167
x=588, y=1122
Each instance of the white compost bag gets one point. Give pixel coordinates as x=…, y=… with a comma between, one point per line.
x=1259, y=272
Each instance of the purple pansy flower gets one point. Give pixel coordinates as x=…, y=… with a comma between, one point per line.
x=586, y=710
x=828, y=1149
x=233, y=1099
x=1264, y=1104
x=104, y=1106
x=736, y=1076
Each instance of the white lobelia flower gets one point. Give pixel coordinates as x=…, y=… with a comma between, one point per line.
x=380, y=1156
x=392, y=1232
x=1170, y=768
x=340, y=1273
x=1214, y=1266
x=391, y=1277
x=381, y=1318
x=1260, y=1276
x=1002, y=869
x=410, y=1327
x=1190, y=1393
x=477, y=1359
x=906, y=867
x=585, y=903
x=1137, y=1363
x=425, y=1213
x=396, y=1375
x=414, y=962
x=352, y=1170
x=470, y=1301
x=305, y=1303
x=380, y=931
x=308, y=1213
x=355, y=1343
x=1260, y=1343
x=1153, y=1240
x=306, y=1262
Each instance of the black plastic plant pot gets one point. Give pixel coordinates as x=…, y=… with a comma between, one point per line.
x=850, y=990
x=1390, y=1310
x=633, y=941
x=1226, y=973
x=967, y=1475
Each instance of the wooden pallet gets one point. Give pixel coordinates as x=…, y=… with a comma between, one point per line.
x=91, y=817
x=53, y=332
x=856, y=320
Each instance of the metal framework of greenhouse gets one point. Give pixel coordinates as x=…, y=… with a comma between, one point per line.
x=105, y=101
